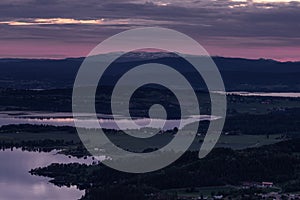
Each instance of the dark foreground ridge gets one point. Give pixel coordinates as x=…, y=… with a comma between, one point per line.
x=278, y=163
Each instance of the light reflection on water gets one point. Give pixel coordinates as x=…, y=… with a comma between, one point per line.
x=65, y=119
x=267, y=94
x=17, y=183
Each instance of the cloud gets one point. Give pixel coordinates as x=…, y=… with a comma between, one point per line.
x=224, y=23
x=70, y=21
x=41, y=21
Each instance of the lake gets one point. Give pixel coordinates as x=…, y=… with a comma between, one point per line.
x=266, y=94
x=66, y=119
x=17, y=183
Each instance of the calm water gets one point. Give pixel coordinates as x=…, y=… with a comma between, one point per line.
x=17, y=183
x=66, y=119
x=267, y=94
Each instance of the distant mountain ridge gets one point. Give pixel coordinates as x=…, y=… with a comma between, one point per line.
x=237, y=73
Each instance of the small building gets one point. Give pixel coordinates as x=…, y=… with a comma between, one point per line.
x=218, y=197
x=267, y=184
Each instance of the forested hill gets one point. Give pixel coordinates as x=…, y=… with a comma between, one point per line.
x=238, y=73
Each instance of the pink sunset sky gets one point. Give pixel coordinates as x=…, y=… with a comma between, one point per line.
x=230, y=28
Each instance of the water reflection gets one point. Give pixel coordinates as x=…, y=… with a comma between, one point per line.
x=267, y=94
x=65, y=119
x=17, y=183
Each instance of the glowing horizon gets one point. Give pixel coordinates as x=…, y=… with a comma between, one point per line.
x=230, y=28
x=266, y=1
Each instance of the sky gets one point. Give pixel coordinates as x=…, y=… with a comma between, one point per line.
x=72, y=28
